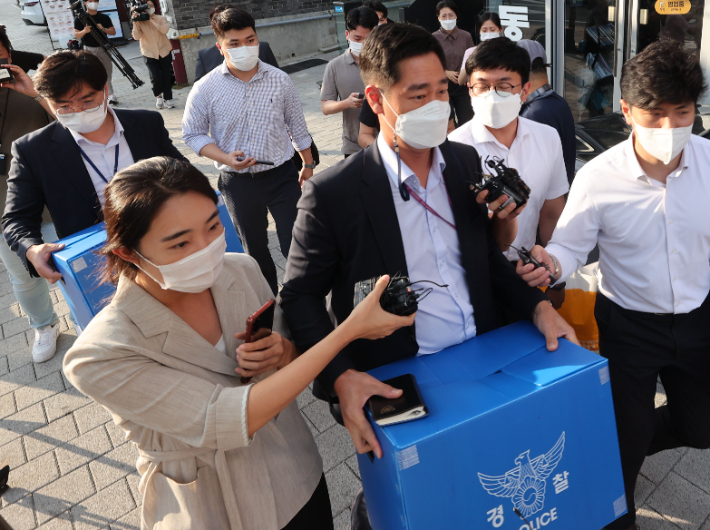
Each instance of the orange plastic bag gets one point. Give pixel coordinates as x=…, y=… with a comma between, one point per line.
x=578, y=308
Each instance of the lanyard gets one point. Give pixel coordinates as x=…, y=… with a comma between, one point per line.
x=429, y=208
x=115, y=165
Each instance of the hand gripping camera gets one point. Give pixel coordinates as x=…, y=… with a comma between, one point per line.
x=399, y=298
x=506, y=181
x=141, y=8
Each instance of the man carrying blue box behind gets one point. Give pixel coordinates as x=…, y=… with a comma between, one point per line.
x=66, y=165
x=644, y=202
x=364, y=218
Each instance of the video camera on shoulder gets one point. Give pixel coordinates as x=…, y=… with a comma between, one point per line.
x=506, y=181
x=141, y=8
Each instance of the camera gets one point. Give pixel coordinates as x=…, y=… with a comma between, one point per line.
x=506, y=181
x=398, y=298
x=141, y=8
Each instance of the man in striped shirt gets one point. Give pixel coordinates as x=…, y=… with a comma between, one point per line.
x=241, y=115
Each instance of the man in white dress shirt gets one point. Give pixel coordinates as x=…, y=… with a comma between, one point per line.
x=645, y=203
x=499, y=70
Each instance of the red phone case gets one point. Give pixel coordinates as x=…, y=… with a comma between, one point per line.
x=255, y=317
x=250, y=326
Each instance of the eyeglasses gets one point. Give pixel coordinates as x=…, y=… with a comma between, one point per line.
x=69, y=110
x=502, y=89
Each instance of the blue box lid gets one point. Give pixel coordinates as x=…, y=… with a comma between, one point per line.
x=464, y=374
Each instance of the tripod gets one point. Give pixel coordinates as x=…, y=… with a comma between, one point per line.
x=110, y=49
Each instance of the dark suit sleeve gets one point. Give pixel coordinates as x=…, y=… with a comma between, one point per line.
x=199, y=67
x=165, y=143
x=22, y=220
x=267, y=55
x=312, y=262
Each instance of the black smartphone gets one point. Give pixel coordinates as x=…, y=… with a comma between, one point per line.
x=259, y=325
x=361, y=96
x=5, y=73
x=264, y=162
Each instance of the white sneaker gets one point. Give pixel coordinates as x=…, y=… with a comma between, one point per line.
x=169, y=103
x=45, y=345
x=159, y=103
x=112, y=100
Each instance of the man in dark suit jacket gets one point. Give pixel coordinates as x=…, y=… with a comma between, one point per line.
x=354, y=223
x=210, y=58
x=49, y=167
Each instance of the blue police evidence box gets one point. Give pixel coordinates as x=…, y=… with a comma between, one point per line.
x=81, y=267
x=510, y=426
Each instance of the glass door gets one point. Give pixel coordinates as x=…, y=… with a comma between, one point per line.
x=599, y=35
x=591, y=50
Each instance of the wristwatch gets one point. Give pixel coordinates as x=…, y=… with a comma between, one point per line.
x=38, y=98
x=310, y=166
x=557, y=270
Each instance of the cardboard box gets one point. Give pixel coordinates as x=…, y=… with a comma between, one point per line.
x=510, y=425
x=81, y=267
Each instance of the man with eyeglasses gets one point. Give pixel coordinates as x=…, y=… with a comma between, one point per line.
x=498, y=72
x=66, y=165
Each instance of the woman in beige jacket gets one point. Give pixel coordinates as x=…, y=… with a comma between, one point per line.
x=157, y=53
x=167, y=355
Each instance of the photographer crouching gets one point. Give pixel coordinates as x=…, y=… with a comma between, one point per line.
x=150, y=30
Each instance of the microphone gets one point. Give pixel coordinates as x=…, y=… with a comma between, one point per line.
x=403, y=191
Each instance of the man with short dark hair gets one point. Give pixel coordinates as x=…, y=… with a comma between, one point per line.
x=243, y=114
x=66, y=165
x=402, y=206
x=210, y=58
x=644, y=202
x=103, y=24
x=380, y=9
x=342, y=89
x=498, y=72
x=544, y=105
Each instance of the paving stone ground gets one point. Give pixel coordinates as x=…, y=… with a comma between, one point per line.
x=73, y=469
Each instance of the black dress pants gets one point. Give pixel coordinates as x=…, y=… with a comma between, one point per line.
x=460, y=102
x=248, y=196
x=641, y=347
x=316, y=514
x=161, y=75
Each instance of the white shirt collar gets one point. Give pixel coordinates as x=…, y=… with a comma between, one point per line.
x=481, y=134
x=389, y=159
x=114, y=140
x=637, y=171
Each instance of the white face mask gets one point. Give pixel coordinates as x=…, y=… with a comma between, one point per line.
x=244, y=58
x=663, y=144
x=489, y=36
x=496, y=111
x=92, y=5
x=422, y=128
x=448, y=25
x=151, y=11
x=84, y=122
x=196, y=272
x=355, y=48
